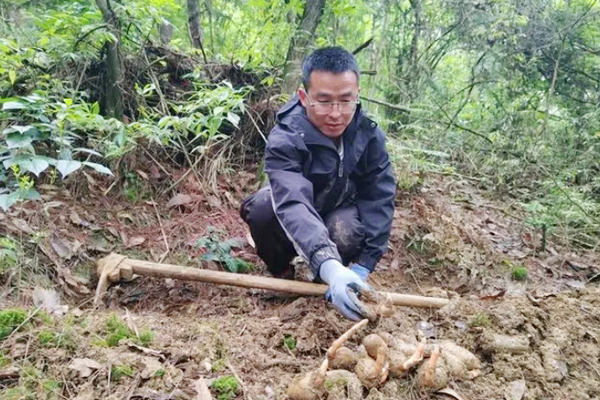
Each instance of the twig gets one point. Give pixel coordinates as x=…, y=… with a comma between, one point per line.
x=163, y=255
x=237, y=377
x=256, y=126
x=80, y=39
x=187, y=157
x=388, y=105
x=159, y=165
x=362, y=46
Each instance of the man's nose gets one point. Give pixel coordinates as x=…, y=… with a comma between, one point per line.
x=335, y=112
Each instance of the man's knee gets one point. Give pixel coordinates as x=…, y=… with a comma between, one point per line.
x=346, y=231
x=257, y=209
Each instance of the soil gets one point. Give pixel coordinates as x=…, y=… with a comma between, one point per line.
x=537, y=338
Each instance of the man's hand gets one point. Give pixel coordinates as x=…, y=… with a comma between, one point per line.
x=344, y=285
x=361, y=271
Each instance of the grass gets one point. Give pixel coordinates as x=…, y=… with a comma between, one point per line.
x=226, y=387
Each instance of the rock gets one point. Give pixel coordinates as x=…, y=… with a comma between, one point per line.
x=515, y=390
x=496, y=343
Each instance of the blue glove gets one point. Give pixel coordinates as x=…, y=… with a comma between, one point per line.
x=344, y=285
x=359, y=270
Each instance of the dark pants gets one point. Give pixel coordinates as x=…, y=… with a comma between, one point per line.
x=273, y=245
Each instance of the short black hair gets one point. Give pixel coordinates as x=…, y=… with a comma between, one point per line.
x=331, y=59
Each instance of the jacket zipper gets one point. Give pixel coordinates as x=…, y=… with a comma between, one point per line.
x=341, y=168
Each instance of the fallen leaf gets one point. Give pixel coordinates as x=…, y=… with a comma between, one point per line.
x=179, y=200
x=9, y=373
x=84, y=366
x=135, y=241
x=124, y=215
x=142, y=174
x=449, y=392
x=516, y=390
x=214, y=201
x=234, y=203
x=152, y=365
x=113, y=231
x=22, y=225
x=76, y=219
x=63, y=247
x=250, y=241
x=202, y=390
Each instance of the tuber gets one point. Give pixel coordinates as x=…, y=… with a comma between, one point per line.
x=309, y=386
x=372, y=370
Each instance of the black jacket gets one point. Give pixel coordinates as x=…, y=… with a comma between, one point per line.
x=308, y=180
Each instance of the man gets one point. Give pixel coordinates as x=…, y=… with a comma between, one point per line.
x=331, y=189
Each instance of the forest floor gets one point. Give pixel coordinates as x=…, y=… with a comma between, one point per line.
x=164, y=339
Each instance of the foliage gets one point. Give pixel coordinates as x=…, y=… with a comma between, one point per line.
x=64, y=339
x=219, y=250
x=226, y=387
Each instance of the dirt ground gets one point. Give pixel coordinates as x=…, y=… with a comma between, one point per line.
x=537, y=337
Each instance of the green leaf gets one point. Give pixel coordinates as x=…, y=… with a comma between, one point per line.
x=234, y=119
x=12, y=76
x=38, y=165
x=30, y=194
x=66, y=167
x=7, y=200
x=18, y=141
x=98, y=167
x=13, y=105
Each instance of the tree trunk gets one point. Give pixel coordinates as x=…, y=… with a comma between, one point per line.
x=194, y=23
x=415, y=71
x=299, y=46
x=114, y=100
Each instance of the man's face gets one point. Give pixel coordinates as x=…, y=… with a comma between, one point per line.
x=327, y=87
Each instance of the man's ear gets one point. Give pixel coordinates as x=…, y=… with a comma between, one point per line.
x=303, y=97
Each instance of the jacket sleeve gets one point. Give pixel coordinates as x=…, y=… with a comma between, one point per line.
x=376, y=190
x=292, y=196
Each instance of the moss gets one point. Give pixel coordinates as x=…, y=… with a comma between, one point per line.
x=116, y=330
x=519, y=272
x=480, y=319
x=226, y=387
x=11, y=319
x=289, y=342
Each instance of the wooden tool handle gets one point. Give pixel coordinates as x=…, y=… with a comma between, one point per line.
x=147, y=268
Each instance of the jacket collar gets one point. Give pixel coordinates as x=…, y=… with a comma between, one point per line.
x=293, y=114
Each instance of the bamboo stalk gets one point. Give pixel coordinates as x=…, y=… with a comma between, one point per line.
x=148, y=268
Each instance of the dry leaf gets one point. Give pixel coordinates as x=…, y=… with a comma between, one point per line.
x=9, y=373
x=76, y=219
x=22, y=225
x=135, y=241
x=84, y=366
x=63, y=247
x=152, y=365
x=214, y=201
x=142, y=174
x=179, y=200
x=202, y=390
x=450, y=392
